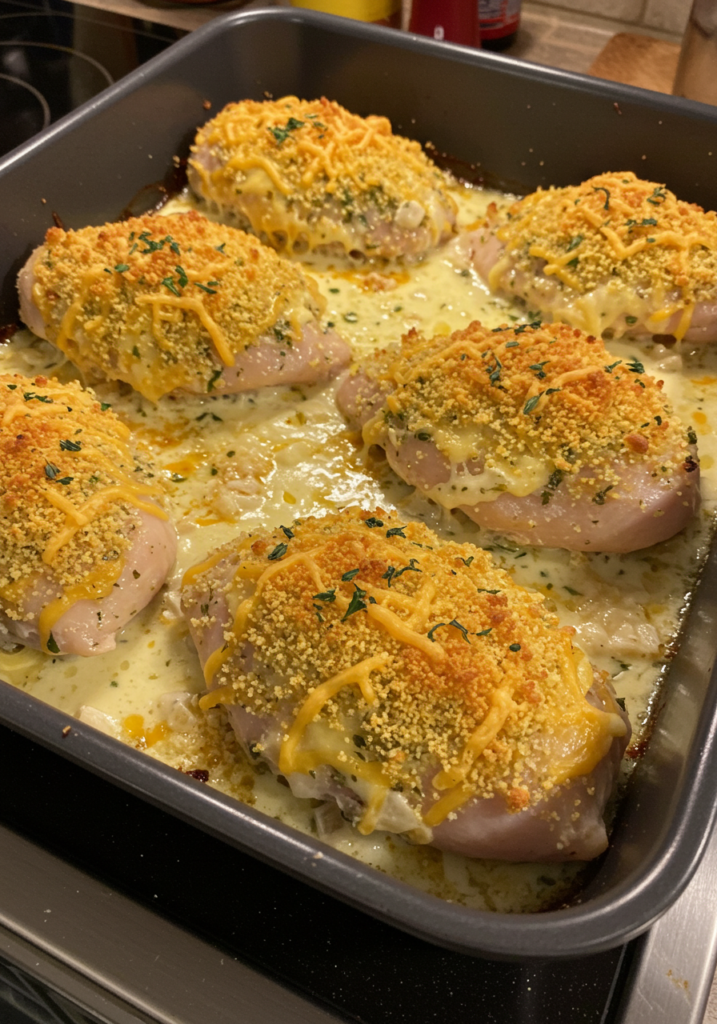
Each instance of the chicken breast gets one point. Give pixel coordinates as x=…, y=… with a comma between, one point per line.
x=309, y=175
x=178, y=303
x=411, y=681
x=85, y=543
x=615, y=255
x=537, y=432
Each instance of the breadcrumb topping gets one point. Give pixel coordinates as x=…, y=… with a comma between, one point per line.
x=309, y=172
x=166, y=302
x=425, y=660
x=71, y=486
x=618, y=231
x=547, y=393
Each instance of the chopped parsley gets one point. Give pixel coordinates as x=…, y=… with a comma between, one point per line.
x=457, y=625
x=278, y=552
x=494, y=374
x=532, y=402
x=357, y=603
x=52, y=645
x=71, y=446
x=599, y=498
x=329, y=596
x=598, y=188
x=281, y=134
x=659, y=195
x=214, y=377
x=373, y=523
x=348, y=576
x=396, y=531
x=554, y=481
x=534, y=324
x=392, y=573
x=168, y=282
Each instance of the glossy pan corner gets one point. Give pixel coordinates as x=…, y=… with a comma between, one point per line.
x=519, y=126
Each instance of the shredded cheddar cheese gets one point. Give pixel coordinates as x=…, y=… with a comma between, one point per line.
x=356, y=685
x=70, y=490
x=166, y=303
x=616, y=252
x=306, y=174
x=530, y=408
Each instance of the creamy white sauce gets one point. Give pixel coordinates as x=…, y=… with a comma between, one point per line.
x=261, y=460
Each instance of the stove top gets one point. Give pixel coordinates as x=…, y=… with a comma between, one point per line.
x=54, y=56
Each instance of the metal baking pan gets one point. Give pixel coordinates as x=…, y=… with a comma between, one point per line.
x=523, y=125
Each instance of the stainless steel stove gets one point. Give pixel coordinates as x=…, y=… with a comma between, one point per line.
x=114, y=911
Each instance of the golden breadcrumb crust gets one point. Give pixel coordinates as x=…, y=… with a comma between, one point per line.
x=550, y=392
x=620, y=231
x=455, y=667
x=71, y=485
x=166, y=302
x=310, y=157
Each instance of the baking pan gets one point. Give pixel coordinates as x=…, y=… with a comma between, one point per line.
x=521, y=126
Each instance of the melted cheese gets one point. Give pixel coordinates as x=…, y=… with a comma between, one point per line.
x=615, y=251
x=427, y=693
x=292, y=457
x=309, y=174
x=166, y=303
x=68, y=482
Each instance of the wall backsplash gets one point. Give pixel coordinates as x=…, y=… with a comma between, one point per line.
x=669, y=16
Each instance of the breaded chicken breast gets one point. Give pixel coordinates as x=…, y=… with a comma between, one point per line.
x=178, y=303
x=615, y=254
x=535, y=431
x=308, y=175
x=411, y=681
x=84, y=540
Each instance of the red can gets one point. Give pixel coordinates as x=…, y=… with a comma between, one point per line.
x=451, y=21
x=499, y=20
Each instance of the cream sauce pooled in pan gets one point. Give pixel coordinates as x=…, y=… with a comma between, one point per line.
x=262, y=459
